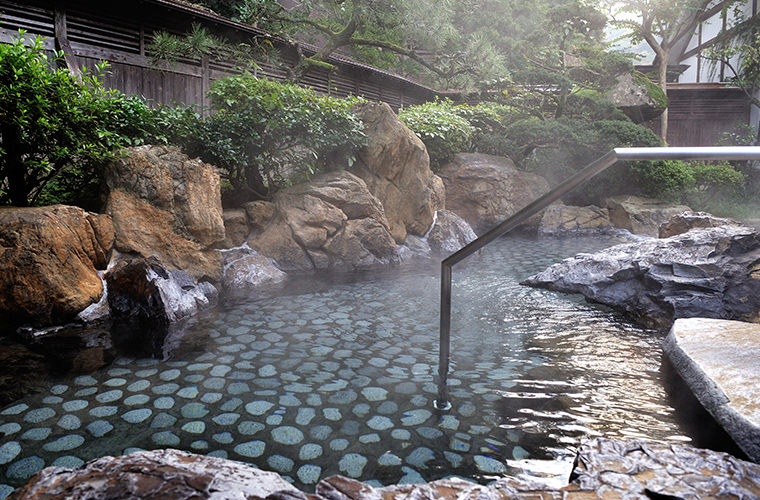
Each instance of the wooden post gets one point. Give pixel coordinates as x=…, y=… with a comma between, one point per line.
x=205, y=80
x=62, y=41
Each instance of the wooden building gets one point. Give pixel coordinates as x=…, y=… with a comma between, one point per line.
x=90, y=31
x=703, y=103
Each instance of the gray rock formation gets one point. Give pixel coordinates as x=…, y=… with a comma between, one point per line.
x=449, y=233
x=713, y=272
x=167, y=206
x=604, y=468
x=235, y=228
x=643, y=469
x=633, y=98
x=641, y=215
x=48, y=262
x=396, y=168
x=248, y=275
x=485, y=190
x=331, y=222
x=686, y=221
x=259, y=214
x=720, y=362
x=564, y=219
x=165, y=474
x=142, y=290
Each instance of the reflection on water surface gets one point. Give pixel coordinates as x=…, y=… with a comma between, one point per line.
x=337, y=376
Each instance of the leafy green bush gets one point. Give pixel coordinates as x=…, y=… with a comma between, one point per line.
x=442, y=129
x=265, y=134
x=57, y=131
x=47, y=124
x=592, y=105
x=668, y=180
x=698, y=184
x=489, y=120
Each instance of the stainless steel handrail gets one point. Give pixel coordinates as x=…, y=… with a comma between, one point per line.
x=598, y=166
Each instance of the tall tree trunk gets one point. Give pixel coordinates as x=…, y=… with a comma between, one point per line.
x=662, y=81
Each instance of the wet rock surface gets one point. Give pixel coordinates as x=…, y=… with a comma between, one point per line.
x=711, y=273
x=259, y=214
x=720, y=362
x=396, y=168
x=449, y=233
x=603, y=469
x=485, y=190
x=48, y=262
x=642, y=469
x=164, y=474
x=235, y=228
x=332, y=222
x=564, y=219
x=248, y=275
x=641, y=215
x=686, y=221
x=168, y=206
x=142, y=290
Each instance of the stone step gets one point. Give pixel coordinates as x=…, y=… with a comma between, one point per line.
x=720, y=362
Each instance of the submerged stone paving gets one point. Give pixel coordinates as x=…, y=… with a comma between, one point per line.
x=339, y=378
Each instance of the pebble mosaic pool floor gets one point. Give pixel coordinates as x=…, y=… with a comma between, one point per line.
x=337, y=376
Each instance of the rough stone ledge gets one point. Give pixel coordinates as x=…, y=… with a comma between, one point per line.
x=720, y=362
x=604, y=469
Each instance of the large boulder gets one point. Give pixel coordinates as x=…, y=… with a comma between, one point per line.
x=249, y=275
x=637, y=99
x=259, y=213
x=48, y=262
x=686, y=221
x=485, y=190
x=143, y=290
x=449, y=233
x=165, y=474
x=712, y=273
x=332, y=222
x=167, y=206
x=564, y=219
x=639, y=469
x=235, y=228
x=604, y=468
x=641, y=215
x=396, y=168
x=150, y=305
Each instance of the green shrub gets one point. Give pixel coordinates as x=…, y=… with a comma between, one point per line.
x=557, y=149
x=714, y=181
x=668, y=180
x=49, y=127
x=265, y=134
x=442, y=129
x=58, y=131
x=489, y=120
x=697, y=184
x=592, y=105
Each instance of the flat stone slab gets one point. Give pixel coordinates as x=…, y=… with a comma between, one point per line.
x=720, y=362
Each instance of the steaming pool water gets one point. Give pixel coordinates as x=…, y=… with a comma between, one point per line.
x=337, y=376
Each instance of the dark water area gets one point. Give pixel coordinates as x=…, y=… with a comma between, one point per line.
x=337, y=376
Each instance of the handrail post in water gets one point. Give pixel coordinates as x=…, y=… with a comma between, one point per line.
x=590, y=171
